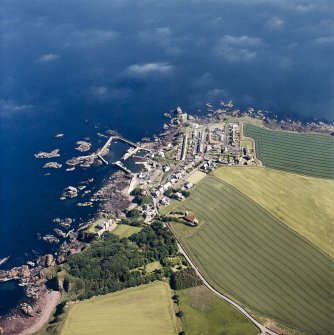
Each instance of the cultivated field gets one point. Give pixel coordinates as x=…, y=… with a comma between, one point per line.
x=247, y=253
x=144, y=310
x=124, y=230
x=309, y=154
x=204, y=313
x=196, y=177
x=305, y=204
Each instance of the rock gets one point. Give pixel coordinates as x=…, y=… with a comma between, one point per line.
x=49, y=260
x=61, y=258
x=4, y=260
x=27, y=309
x=25, y=271
x=52, y=165
x=50, y=238
x=83, y=146
x=53, y=153
x=70, y=192
x=1, y=331
x=85, y=204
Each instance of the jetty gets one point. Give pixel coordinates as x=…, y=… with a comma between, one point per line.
x=106, y=145
x=103, y=151
x=102, y=159
x=127, y=141
x=121, y=166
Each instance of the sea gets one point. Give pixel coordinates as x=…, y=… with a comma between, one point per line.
x=81, y=67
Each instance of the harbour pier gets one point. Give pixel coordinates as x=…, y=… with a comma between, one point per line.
x=121, y=166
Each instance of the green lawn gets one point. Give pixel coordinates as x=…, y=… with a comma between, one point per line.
x=164, y=210
x=309, y=154
x=249, y=254
x=305, y=204
x=124, y=230
x=144, y=310
x=206, y=314
x=92, y=228
x=150, y=267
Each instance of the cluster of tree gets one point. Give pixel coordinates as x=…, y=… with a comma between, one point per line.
x=185, y=278
x=141, y=198
x=170, y=193
x=132, y=222
x=157, y=242
x=110, y=264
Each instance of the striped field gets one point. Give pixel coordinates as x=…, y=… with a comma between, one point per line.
x=305, y=204
x=246, y=252
x=309, y=154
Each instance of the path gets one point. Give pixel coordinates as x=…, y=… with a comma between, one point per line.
x=263, y=329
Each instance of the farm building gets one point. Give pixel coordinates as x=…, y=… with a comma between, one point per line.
x=191, y=218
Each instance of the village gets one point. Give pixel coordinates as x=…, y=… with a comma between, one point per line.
x=174, y=162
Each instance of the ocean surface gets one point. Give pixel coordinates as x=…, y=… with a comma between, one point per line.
x=82, y=67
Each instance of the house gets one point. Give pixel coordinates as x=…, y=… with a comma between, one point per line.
x=165, y=201
x=156, y=193
x=167, y=186
x=191, y=219
x=148, y=212
x=179, y=196
x=173, y=180
x=166, y=168
x=106, y=225
x=188, y=185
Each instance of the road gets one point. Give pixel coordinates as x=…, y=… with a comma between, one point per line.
x=263, y=329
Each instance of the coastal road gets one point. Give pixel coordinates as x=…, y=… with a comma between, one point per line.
x=263, y=329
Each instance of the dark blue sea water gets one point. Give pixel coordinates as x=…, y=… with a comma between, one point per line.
x=81, y=67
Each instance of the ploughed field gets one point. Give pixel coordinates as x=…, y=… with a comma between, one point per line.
x=246, y=252
x=305, y=204
x=144, y=310
x=309, y=154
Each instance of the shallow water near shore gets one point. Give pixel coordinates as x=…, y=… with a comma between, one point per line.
x=10, y=294
x=79, y=68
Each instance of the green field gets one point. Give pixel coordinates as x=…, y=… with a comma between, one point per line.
x=204, y=313
x=92, y=228
x=124, y=230
x=309, y=154
x=144, y=310
x=167, y=209
x=247, y=253
x=305, y=204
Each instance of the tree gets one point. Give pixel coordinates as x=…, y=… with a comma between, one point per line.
x=134, y=213
x=185, y=278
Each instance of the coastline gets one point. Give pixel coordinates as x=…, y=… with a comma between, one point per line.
x=20, y=324
x=113, y=198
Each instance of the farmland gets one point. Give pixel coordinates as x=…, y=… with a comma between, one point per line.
x=303, y=203
x=246, y=252
x=204, y=313
x=196, y=177
x=147, y=309
x=309, y=154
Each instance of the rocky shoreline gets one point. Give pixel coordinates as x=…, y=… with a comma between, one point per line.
x=32, y=316
x=113, y=198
